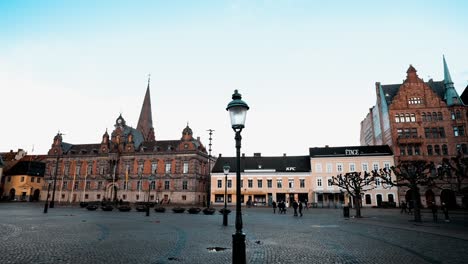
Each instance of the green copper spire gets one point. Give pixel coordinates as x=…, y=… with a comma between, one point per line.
x=451, y=96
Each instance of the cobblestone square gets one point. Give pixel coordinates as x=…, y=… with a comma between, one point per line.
x=76, y=235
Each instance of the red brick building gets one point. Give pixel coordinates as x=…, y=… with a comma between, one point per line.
x=420, y=121
x=130, y=164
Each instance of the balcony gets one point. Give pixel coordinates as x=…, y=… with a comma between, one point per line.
x=410, y=140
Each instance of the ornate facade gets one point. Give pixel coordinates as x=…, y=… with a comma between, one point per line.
x=130, y=164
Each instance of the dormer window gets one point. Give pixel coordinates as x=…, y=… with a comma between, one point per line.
x=415, y=100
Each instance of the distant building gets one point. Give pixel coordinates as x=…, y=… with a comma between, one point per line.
x=122, y=164
x=23, y=177
x=327, y=162
x=263, y=179
x=420, y=121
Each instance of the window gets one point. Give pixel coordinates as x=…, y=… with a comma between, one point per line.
x=368, y=199
x=38, y=180
x=402, y=150
x=279, y=183
x=66, y=170
x=444, y=150
x=365, y=167
x=339, y=167
x=32, y=179
x=249, y=183
x=407, y=118
x=435, y=132
x=152, y=185
x=329, y=182
x=441, y=132
x=423, y=117
x=87, y=196
x=409, y=150
x=99, y=185
x=64, y=185
x=184, y=197
x=352, y=167
x=319, y=182
x=185, y=167
x=242, y=183
x=377, y=182
x=397, y=118
x=184, y=185
x=318, y=167
x=400, y=132
x=219, y=198
x=375, y=166
x=414, y=132
x=220, y=184
x=98, y=196
x=457, y=114
x=458, y=131
x=88, y=185
x=413, y=118
x=463, y=148
x=427, y=132
x=140, y=169
x=138, y=185
x=76, y=185
x=9, y=178
x=166, y=185
x=154, y=167
x=417, y=150
x=291, y=183
x=229, y=184
x=77, y=170
x=437, y=149
x=301, y=183
x=406, y=133
x=439, y=116
x=452, y=115
x=329, y=168
x=386, y=165
x=269, y=183
x=260, y=183
x=89, y=168
x=429, y=150
x=168, y=167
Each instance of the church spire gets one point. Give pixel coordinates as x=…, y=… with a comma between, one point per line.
x=451, y=96
x=145, y=122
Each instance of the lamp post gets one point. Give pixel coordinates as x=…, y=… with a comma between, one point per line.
x=150, y=179
x=52, y=202
x=226, y=169
x=238, y=111
x=46, y=205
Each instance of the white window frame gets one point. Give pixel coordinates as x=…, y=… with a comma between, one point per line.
x=290, y=183
x=279, y=183
x=375, y=166
x=319, y=182
x=386, y=165
x=329, y=182
x=219, y=183
x=339, y=167
x=168, y=167
x=318, y=167
x=365, y=167
x=185, y=168
x=302, y=183
x=352, y=167
x=329, y=167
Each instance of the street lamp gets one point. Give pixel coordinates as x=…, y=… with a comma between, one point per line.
x=226, y=169
x=46, y=205
x=150, y=179
x=238, y=111
x=52, y=202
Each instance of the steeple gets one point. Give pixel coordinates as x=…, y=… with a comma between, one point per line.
x=145, y=122
x=451, y=96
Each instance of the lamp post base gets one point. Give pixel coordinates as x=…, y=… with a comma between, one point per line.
x=225, y=217
x=238, y=248
x=46, y=206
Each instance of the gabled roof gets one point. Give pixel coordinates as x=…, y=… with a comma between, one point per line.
x=350, y=151
x=278, y=164
x=390, y=90
x=23, y=167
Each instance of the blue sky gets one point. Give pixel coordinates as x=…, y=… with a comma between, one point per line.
x=306, y=68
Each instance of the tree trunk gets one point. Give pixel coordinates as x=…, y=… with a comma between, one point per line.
x=357, y=202
x=416, y=203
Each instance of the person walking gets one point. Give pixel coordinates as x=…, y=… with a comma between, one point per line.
x=300, y=209
x=306, y=204
x=274, y=207
x=295, y=205
x=434, y=212
x=403, y=207
x=445, y=210
x=410, y=207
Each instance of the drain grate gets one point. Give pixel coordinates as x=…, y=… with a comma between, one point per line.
x=216, y=249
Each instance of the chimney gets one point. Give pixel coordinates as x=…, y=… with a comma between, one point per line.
x=243, y=155
x=284, y=154
x=219, y=155
x=258, y=154
x=326, y=146
x=198, y=139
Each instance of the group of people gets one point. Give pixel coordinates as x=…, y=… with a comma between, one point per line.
x=444, y=209
x=406, y=207
x=282, y=207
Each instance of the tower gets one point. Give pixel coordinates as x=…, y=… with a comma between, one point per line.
x=145, y=122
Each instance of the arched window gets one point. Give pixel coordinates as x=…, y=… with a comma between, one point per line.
x=424, y=117
x=439, y=115
x=368, y=199
x=434, y=116
x=413, y=118
x=428, y=117
x=429, y=150
x=391, y=199
x=407, y=118
x=452, y=115
x=458, y=114
x=397, y=118
x=463, y=148
x=437, y=149
x=444, y=150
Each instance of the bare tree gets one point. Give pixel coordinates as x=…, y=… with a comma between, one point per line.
x=355, y=184
x=454, y=171
x=410, y=174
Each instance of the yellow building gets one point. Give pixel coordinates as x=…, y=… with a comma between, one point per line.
x=263, y=180
x=25, y=179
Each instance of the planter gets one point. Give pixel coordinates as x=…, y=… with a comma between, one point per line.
x=124, y=208
x=194, y=210
x=107, y=207
x=178, y=210
x=209, y=211
x=160, y=209
x=222, y=211
x=141, y=208
x=92, y=207
x=83, y=204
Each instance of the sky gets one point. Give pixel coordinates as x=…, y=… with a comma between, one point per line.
x=307, y=69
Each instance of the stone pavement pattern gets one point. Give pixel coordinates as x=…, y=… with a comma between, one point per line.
x=75, y=235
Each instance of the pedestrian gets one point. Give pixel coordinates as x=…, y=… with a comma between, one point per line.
x=445, y=210
x=410, y=207
x=434, y=212
x=306, y=204
x=403, y=207
x=274, y=207
x=300, y=209
x=295, y=205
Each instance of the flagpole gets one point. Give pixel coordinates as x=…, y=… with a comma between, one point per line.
x=73, y=185
x=84, y=187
